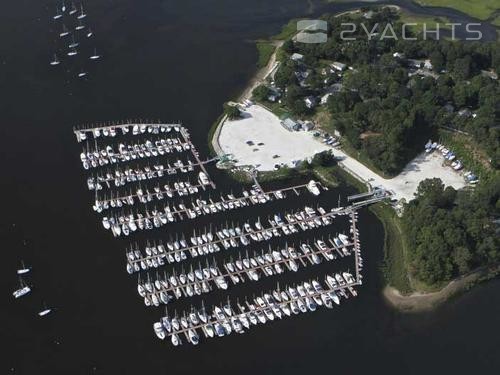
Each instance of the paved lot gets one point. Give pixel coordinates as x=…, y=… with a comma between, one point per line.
x=405, y=184
x=261, y=126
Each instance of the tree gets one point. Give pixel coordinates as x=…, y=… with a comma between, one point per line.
x=323, y=159
x=231, y=111
x=261, y=92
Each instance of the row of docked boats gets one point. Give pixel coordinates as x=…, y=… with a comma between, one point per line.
x=178, y=189
x=122, y=176
x=99, y=157
x=277, y=304
x=127, y=223
x=111, y=131
x=232, y=236
x=200, y=280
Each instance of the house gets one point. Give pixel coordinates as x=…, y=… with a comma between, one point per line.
x=420, y=63
x=310, y=102
x=428, y=64
x=290, y=124
x=339, y=66
x=297, y=57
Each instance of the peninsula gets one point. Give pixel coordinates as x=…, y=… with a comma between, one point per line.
x=415, y=118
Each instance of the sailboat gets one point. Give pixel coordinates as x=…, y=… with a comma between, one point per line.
x=95, y=56
x=73, y=52
x=55, y=61
x=64, y=32
x=23, y=269
x=58, y=15
x=89, y=33
x=23, y=290
x=73, y=9
x=45, y=310
x=82, y=15
x=80, y=26
x=74, y=43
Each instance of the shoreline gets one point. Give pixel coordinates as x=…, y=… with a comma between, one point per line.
x=418, y=302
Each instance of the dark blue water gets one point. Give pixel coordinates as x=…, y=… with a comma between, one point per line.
x=175, y=61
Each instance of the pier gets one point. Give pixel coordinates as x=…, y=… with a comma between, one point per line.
x=132, y=221
x=277, y=304
x=250, y=268
x=160, y=141
x=246, y=235
x=110, y=130
x=120, y=177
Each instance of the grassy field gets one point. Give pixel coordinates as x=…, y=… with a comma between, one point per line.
x=266, y=50
x=481, y=9
x=430, y=22
x=289, y=30
x=395, y=269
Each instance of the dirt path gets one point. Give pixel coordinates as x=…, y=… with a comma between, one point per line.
x=262, y=74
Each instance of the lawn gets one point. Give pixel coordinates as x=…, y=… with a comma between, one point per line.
x=481, y=9
x=430, y=22
x=266, y=50
x=395, y=269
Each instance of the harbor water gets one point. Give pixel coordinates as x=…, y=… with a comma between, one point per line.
x=174, y=61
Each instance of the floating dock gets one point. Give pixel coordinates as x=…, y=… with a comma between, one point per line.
x=207, y=243
x=277, y=304
x=202, y=280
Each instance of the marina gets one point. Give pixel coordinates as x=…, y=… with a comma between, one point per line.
x=133, y=196
x=121, y=177
x=132, y=221
x=233, y=236
x=277, y=304
x=206, y=242
x=202, y=280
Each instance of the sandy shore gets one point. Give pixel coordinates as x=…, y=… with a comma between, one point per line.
x=262, y=73
x=421, y=302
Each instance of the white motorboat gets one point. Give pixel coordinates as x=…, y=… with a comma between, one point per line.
x=313, y=188
x=22, y=291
